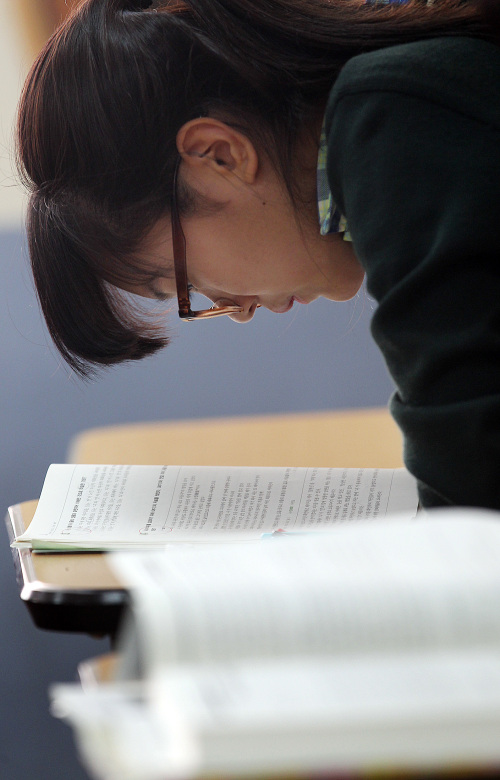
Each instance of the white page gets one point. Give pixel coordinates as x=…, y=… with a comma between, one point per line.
x=118, y=736
x=365, y=588
x=90, y=506
x=415, y=710
x=259, y=693
x=425, y=711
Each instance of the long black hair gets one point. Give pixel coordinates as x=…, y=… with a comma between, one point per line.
x=102, y=106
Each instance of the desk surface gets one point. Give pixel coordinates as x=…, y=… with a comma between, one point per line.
x=65, y=592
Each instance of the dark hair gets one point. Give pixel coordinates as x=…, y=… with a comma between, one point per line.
x=106, y=97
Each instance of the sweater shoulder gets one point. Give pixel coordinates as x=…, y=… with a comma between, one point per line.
x=462, y=74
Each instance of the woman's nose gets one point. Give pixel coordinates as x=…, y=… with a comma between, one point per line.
x=248, y=307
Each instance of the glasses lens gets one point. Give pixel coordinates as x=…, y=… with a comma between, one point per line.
x=199, y=301
x=204, y=308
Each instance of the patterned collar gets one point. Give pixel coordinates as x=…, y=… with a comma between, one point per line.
x=330, y=218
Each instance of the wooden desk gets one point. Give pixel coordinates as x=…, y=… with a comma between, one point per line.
x=78, y=592
x=65, y=592
x=356, y=438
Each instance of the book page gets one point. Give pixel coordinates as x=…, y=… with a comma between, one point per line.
x=414, y=710
x=364, y=588
x=292, y=717
x=95, y=506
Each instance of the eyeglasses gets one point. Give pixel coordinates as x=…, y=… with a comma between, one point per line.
x=181, y=277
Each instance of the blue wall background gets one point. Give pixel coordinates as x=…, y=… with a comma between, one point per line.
x=315, y=357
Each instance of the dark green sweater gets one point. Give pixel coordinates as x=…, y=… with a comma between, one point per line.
x=414, y=164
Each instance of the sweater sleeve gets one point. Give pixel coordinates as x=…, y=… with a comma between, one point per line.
x=419, y=182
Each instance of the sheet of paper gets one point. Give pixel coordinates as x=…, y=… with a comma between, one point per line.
x=426, y=711
x=363, y=588
x=87, y=505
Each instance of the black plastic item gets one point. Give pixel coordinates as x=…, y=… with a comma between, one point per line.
x=95, y=611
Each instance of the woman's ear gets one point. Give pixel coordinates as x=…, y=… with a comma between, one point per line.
x=210, y=146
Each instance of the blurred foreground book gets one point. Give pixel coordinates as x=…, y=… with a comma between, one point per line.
x=372, y=647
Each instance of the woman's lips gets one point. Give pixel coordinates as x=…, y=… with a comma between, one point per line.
x=285, y=308
x=288, y=306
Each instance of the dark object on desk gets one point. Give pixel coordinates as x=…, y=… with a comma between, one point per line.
x=74, y=592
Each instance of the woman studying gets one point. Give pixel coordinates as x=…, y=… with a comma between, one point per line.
x=267, y=152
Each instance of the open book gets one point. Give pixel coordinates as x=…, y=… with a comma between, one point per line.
x=374, y=646
x=101, y=507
